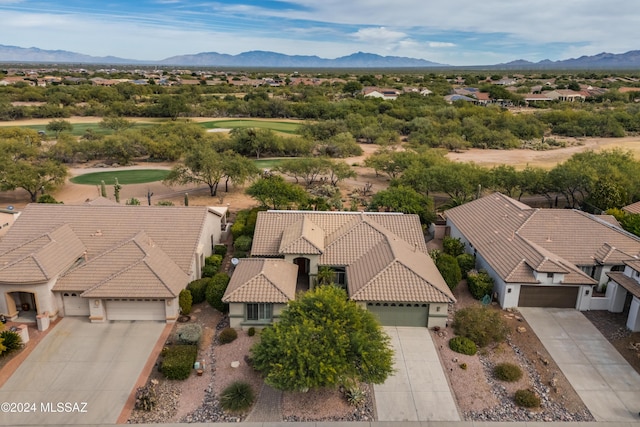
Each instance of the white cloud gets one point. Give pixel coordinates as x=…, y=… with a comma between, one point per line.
x=441, y=44
x=378, y=35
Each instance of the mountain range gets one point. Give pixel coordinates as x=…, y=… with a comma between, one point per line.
x=263, y=59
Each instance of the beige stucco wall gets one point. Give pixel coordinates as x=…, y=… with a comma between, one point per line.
x=45, y=299
x=172, y=307
x=211, y=232
x=97, y=310
x=438, y=315
x=237, y=315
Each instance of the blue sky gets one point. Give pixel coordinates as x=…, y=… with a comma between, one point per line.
x=462, y=32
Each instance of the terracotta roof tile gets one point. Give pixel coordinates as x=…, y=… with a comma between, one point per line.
x=262, y=280
x=302, y=237
x=626, y=282
x=42, y=257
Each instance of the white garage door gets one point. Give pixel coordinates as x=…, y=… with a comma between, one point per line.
x=75, y=305
x=135, y=310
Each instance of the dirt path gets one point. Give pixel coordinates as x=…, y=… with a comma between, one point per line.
x=546, y=159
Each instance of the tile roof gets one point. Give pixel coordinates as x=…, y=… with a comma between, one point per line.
x=104, y=249
x=262, y=280
x=385, y=253
x=517, y=239
x=626, y=282
x=138, y=261
x=40, y=258
x=633, y=208
x=303, y=237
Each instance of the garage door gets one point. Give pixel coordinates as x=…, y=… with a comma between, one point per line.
x=548, y=296
x=135, y=310
x=74, y=304
x=391, y=314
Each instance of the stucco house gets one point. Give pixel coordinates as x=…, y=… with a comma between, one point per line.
x=7, y=218
x=546, y=257
x=380, y=259
x=104, y=261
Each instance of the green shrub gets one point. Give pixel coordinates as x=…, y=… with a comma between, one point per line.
x=165, y=203
x=178, y=361
x=467, y=263
x=185, y=300
x=480, y=324
x=10, y=340
x=227, y=335
x=243, y=243
x=252, y=218
x=215, y=260
x=480, y=283
x=237, y=229
x=449, y=269
x=215, y=291
x=463, y=345
x=507, y=372
x=237, y=397
x=220, y=250
x=189, y=334
x=239, y=254
x=251, y=331
x=198, y=289
x=527, y=399
x=452, y=246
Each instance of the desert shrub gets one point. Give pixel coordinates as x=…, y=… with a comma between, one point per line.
x=463, y=366
x=165, y=203
x=480, y=324
x=243, y=243
x=507, y=372
x=449, y=269
x=185, y=300
x=209, y=271
x=146, y=397
x=467, y=263
x=239, y=254
x=220, y=250
x=527, y=399
x=252, y=218
x=198, y=289
x=355, y=395
x=215, y=291
x=189, y=334
x=178, y=361
x=480, y=283
x=452, y=246
x=251, y=331
x=215, y=260
x=463, y=345
x=237, y=397
x=10, y=340
x=227, y=335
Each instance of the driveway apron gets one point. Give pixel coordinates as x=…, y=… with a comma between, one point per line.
x=80, y=373
x=418, y=391
x=606, y=383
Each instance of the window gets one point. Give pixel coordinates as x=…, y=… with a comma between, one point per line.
x=260, y=312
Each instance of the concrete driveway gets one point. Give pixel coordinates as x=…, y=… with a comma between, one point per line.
x=603, y=379
x=419, y=390
x=80, y=373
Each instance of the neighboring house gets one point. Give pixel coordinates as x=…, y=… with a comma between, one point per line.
x=7, y=218
x=381, y=260
x=386, y=94
x=633, y=208
x=543, y=257
x=104, y=261
x=565, y=95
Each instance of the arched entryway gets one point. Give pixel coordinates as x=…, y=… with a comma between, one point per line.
x=22, y=306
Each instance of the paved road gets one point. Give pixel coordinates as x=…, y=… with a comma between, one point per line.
x=77, y=363
x=606, y=383
x=419, y=390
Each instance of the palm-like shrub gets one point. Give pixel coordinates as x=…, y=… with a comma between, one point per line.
x=237, y=397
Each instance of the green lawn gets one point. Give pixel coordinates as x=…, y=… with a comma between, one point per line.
x=285, y=127
x=269, y=163
x=133, y=176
